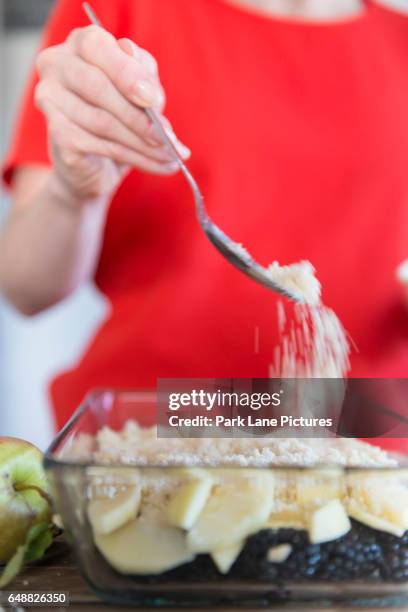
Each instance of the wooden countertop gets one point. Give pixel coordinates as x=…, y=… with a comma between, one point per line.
x=60, y=574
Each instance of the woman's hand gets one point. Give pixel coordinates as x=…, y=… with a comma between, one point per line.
x=92, y=90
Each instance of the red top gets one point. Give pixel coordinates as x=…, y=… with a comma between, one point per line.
x=299, y=135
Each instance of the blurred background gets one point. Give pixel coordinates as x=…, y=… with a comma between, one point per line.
x=32, y=350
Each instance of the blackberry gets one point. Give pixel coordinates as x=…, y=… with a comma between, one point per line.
x=394, y=556
x=202, y=569
x=362, y=554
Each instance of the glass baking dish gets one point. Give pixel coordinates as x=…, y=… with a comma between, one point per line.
x=147, y=535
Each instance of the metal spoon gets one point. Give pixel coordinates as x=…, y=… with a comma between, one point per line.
x=235, y=253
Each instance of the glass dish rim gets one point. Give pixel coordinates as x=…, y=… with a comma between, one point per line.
x=51, y=462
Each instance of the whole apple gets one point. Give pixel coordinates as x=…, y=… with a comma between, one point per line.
x=24, y=494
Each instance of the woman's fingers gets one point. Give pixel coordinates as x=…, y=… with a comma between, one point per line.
x=74, y=143
x=137, y=84
x=98, y=121
x=92, y=85
x=146, y=60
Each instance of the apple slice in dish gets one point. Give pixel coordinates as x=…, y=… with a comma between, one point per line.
x=144, y=547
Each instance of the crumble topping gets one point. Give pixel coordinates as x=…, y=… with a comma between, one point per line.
x=136, y=445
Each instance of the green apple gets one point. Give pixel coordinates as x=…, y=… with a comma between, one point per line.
x=24, y=494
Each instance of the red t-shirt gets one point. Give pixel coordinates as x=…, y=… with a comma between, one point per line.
x=299, y=136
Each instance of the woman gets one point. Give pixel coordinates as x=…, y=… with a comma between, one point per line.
x=296, y=116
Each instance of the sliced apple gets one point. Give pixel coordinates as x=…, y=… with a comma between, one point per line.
x=235, y=509
x=279, y=554
x=144, y=547
x=381, y=500
x=99, y=476
x=391, y=502
x=110, y=513
x=287, y=519
x=328, y=522
x=187, y=504
x=190, y=472
x=363, y=515
x=319, y=486
x=286, y=512
x=396, y=507
x=224, y=559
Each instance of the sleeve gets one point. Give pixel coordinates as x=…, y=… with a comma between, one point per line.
x=29, y=144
